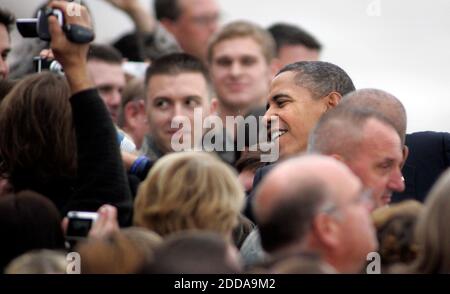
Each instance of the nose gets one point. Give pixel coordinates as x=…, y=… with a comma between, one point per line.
x=396, y=182
x=178, y=110
x=113, y=99
x=117, y=98
x=178, y=117
x=236, y=69
x=270, y=117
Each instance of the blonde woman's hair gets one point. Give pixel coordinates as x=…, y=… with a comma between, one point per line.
x=189, y=191
x=42, y=261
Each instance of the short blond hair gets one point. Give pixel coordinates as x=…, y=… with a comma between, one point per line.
x=189, y=191
x=244, y=29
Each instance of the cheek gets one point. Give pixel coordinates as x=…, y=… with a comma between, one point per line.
x=378, y=182
x=260, y=74
x=293, y=118
x=158, y=120
x=218, y=74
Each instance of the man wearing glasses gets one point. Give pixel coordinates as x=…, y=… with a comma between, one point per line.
x=180, y=25
x=314, y=204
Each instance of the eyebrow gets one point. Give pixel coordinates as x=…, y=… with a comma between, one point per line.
x=278, y=96
x=391, y=160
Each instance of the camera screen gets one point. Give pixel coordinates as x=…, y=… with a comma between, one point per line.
x=79, y=227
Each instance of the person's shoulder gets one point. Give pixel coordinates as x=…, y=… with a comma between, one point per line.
x=427, y=137
x=265, y=169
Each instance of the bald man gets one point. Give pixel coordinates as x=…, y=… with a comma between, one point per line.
x=426, y=154
x=315, y=204
x=368, y=143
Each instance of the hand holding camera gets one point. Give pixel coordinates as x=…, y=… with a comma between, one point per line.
x=72, y=56
x=79, y=225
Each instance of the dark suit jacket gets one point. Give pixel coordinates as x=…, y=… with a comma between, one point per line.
x=259, y=175
x=429, y=156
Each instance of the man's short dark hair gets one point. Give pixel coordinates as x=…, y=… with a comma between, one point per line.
x=286, y=34
x=104, y=53
x=7, y=19
x=130, y=47
x=176, y=63
x=291, y=219
x=169, y=9
x=320, y=78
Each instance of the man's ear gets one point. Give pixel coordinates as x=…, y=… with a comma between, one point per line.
x=134, y=113
x=405, y=150
x=326, y=230
x=332, y=100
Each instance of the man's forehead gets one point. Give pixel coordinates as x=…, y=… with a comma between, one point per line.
x=381, y=140
x=284, y=77
x=287, y=81
x=181, y=84
x=99, y=68
x=237, y=47
x=106, y=73
x=197, y=6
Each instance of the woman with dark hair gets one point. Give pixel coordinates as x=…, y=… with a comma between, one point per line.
x=64, y=148
x=37, y=140
x=28, y=221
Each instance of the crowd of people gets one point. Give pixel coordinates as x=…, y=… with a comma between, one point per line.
x=174, y=187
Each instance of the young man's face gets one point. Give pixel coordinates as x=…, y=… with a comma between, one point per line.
x=5, y=48
x=110, y=80
x=199, y=19
x=240, y=73
x=173, y=97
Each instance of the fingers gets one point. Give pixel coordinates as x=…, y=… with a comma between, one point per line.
x=74, y=13
x=47, y=54
x=106, y=223
x=62, y=5
x=55, y=29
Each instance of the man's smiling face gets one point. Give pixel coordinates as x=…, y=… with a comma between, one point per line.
x=296, y=110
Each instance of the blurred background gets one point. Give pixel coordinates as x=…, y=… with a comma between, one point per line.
x=401, y=46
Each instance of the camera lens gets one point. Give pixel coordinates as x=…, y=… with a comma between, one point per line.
x=56, y=67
